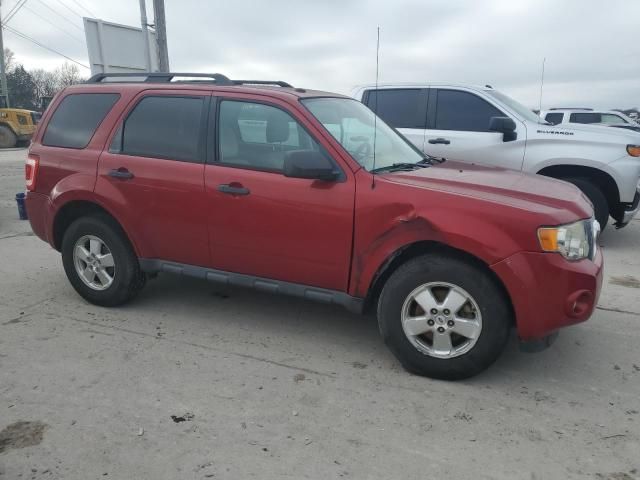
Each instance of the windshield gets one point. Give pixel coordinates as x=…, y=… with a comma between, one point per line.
x=352, y=124
x=517, y=107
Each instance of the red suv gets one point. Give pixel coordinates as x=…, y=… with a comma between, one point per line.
x=306, y=193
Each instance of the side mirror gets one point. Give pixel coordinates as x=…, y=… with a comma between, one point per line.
x=309, y=164
x=504, y=125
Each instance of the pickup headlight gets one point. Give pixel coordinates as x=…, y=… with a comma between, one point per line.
x=574, y=241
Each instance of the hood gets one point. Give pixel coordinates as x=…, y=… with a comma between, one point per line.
x=504, y=187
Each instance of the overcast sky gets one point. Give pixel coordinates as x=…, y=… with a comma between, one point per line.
x=592, y=47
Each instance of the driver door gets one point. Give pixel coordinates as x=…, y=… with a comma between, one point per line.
x=262, y=223
x=458, y=129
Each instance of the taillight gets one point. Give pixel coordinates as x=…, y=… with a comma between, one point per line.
x=31, y=170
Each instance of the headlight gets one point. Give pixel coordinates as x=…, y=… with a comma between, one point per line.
x=574, y=241
x=633, y=150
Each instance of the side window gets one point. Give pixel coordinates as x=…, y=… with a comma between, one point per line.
x=402, y=108
x=76, y=119
x=585, y=117
x=463, y=111
x=554, y=118
x=610, y=118
x=163, y=127
x=258, y=136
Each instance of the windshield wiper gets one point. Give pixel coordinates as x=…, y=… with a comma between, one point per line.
x=396, y=167
x=431, y=160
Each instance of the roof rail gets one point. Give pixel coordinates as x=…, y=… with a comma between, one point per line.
x=572, y=108
x=165, y=77
x=158, y=77
x=279, y=83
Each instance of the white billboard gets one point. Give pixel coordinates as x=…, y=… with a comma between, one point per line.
x=118, y=48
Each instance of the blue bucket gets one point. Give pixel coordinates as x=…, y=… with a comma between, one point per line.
x=22, y=210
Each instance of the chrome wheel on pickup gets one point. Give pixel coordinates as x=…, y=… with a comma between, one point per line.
x=444, y=316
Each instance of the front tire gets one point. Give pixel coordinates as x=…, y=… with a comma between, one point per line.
x=444, y=317
x=597, y=198
x=8, y=139
x=100, y=262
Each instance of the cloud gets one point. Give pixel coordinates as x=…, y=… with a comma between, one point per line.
x=591, y=46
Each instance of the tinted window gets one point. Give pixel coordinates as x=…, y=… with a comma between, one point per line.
x=456, y=110
x=554, y=118
x=406, y=108
x=76, y=119
x=164, y=127
x=259, y=136
x=585, y=117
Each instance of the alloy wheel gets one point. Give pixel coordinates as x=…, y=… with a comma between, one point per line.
x=441, y=320
x=94, y=262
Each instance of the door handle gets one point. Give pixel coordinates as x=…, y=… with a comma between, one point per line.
x=121, y=173
x=233, y=189
x=441, y=140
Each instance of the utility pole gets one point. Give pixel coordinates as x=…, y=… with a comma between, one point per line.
x=161, y=35
x=145, y=33
x=3, y=74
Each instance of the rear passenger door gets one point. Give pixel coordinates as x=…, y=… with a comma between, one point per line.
x=153, y=174
x=458, y=129
x=262, y=223
x=405, y=109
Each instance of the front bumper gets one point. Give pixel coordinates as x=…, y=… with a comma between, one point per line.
x=549, y=292
x=630, y=212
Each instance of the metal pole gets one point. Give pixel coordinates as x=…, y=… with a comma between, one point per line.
x=145, y=33
x=161, y=35
x=541, y=85
x=3, y=74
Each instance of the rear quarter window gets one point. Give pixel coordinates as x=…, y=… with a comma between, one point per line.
x=76, y=119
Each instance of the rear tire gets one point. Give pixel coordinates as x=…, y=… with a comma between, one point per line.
x=479, y=310
x=100, y=262
x=8, y=139
x=597, y=198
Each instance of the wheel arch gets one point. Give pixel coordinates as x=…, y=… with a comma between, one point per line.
x=415, y=249
x=74, y=209
x=600, y=178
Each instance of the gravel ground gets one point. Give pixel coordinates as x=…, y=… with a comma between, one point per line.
x=196, y=381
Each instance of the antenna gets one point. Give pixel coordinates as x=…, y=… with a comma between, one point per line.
x=375, y=110
x=541, y=84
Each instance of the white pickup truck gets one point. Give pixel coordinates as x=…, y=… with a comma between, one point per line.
x=481, y=125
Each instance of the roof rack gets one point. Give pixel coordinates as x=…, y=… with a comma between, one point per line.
x=166, y=77
x=572, y=108
x=279, y=83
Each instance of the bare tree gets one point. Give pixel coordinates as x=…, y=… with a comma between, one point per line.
x=46, y=83
x=9, y=60
x=68, y=74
